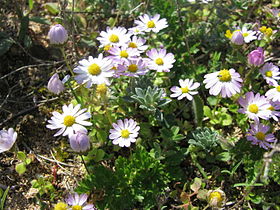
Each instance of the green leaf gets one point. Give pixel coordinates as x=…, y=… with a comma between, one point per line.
x=212, y=100
x=207, y=111
x=198, y=109
x=99, y=155
x=202, y=194
x=40, y=20
x=5, y=43
x=31, y=4
x=3, y=198
x=20, y=168
x=224, y=156
x=21, y=156
x=195, y=186
x=225, y=118
x=28, y=161
x=52, y=8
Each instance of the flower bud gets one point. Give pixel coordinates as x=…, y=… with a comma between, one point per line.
x=7, y=139
x=58, y=34
x=256, y=57
x=55, y=85
x=79, y=142
x=237, y=38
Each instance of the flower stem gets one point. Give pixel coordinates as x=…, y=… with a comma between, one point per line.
x=84, y=164
x=201, y=170
x=66, y=61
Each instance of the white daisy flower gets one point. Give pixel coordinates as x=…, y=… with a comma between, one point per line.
x=116, y=36
x=270, y=73
x=138, y=43
x=249, y=35
x=122, y=54
x=255, y=106
x=160, y=61
x=226, y=82
x=70, y=121
x=136, y=30
x=124, y=132
x=186, y=89
x=94, y=71
x=274, y=94
x=151, y=23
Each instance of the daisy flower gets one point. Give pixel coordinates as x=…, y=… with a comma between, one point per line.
x=258, y=136
x=148, y=23
x=186, y=89
x=7, y=139
x=160, y=61
x=226, y=82
x=70, y=121
x=255, y=106
x=116, y=36
x=121, y=55
x=138, y=43
x=124, y=132
x=78, y=202
x=248, y=35
x=94, y=71
x=275, y=110
x=270, y=73
x=274, y=93
x=133, y=68
x=136, y=30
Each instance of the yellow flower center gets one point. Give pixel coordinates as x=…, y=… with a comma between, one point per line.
x=132, y=68
x=114, y=68
x=217, y=196
x=245, y=34
x=60, y=206
x=228, y=34
x=114, y=38
x=271, y=108
x=278, y=88
x=123, y=54
x=262, y=29
x=94, y=69
x=185, y=89
x=101, y=89
x=77, y=207
x=107, y=47
x=151, y=24
x=125, y=133
x=132, y=45
x=253, y=108
x=224, y=75
x=260, y=136
x=159, y=61
x=268, y=73
x=268, y=32
x=69, y=120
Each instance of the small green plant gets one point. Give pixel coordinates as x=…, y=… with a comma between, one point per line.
x=3, y=196
x=21, y=167
x=44, y=186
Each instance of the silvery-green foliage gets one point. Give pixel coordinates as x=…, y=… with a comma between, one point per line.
x=205, y=138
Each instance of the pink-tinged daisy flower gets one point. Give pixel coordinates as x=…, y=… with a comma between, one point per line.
x=273, y=94
x=255, y=106
x=122, y=54
x=124, y=132
x=116, y=36
x=258, y=136
x=275, y=110
x=79, y=202
x=94, y=71
x=160, y=61
x=186, y=89
x=149, y=23
x=7, y=139
x=270, y=73
x=226, y=82
x=133, y=68
x=72, y=120
x=138, y=43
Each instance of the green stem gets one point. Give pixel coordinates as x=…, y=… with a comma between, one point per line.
x=84, y=164
x=246, y=80
x=201, y=170
x=66, y=61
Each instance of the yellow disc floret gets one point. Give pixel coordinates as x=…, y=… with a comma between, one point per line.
x=262, y=29
x=278, y=88
x=132, y=68
x=260, y=136
x=253, y=108
x=125, y=133
x=69, y=120
x=77, y=207
x=228, y=34
x=224, y=75
x=185, y=89
x=268, y=32
x=151, y=24
x=114, y=38
x=94, y=69
x=107, y=47
x=271, y=108
x=60, y=206
x=132, y=45
x=159, y=61
x=216, y=198
x=268, y=73
x=123, y=54
x=245, y=34
x=101, y=89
